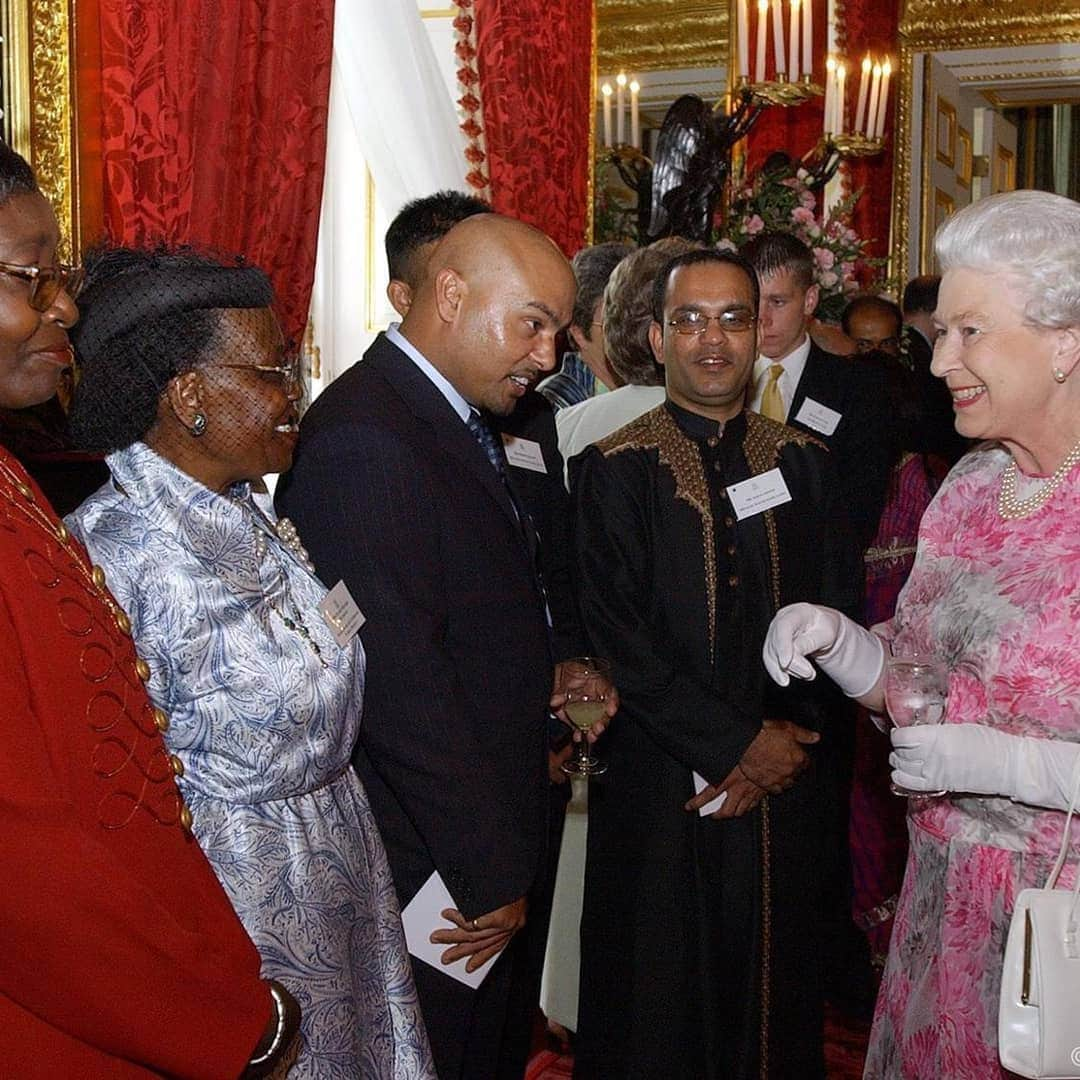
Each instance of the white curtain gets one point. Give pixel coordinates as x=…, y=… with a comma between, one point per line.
x=392, y=113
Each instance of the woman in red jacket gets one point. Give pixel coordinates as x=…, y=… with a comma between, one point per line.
x=120, y=956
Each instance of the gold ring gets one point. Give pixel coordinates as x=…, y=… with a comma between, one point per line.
x=474, y=926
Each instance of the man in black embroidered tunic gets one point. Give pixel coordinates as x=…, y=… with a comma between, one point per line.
x=699, y=933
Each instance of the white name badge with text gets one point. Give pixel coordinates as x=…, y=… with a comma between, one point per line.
x=758, y=494
x=524, y=453
x=340, y=613
x=817, y=416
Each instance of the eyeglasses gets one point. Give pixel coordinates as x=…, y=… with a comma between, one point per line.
x=47, y=281
x=288, y=376
x=732, y=321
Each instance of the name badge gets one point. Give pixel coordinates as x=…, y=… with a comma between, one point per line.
x=524, y=453
x=817, y=416
x=340, y=613
x=758, y=494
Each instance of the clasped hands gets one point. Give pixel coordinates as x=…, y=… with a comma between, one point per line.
x=770, y=765
x=483, y=937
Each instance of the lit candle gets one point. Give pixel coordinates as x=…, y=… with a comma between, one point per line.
x=864, y=87
x=635, y=118
x=808, y=38
x=830, y=93
x=743, y=17
x=875, y=90
x=793, y=38
x=879, y=127
x=762, y=26
x=620, y=109
x=838, y=119
x=606, y=92
x=778, y=38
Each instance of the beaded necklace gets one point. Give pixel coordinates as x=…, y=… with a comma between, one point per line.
x=285, y=532
x=1010, y=507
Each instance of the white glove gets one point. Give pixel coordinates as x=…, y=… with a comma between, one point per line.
x=978, y=759
x=851, y=656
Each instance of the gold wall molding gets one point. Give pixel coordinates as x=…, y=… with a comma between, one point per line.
x=661, y=35
x=933, y=26
x=929, y=26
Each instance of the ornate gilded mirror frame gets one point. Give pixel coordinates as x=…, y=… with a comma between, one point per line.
x=39, y=102
x=929, y=26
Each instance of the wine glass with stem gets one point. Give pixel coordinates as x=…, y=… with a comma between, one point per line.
x=586, y=680
x=916, y=688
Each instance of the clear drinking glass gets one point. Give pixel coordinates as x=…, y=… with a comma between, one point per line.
x=915, y=691
x=585, y=681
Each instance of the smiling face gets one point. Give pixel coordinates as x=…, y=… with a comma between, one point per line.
x=34, y=349
x=998, y=367
x=504, y=323
x=706, y=373
x=251, y=414
x=783, y=313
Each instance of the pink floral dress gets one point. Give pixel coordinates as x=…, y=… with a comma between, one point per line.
x=1000, y=602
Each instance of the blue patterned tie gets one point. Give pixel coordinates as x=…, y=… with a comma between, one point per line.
x=489, y=443
x=492, y=447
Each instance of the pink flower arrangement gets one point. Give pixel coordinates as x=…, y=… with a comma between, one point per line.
x=779, y=202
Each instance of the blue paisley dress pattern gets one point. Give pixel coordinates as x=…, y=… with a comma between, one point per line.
x=264, y=726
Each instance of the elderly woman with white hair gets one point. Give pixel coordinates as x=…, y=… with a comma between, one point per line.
x=994, y=593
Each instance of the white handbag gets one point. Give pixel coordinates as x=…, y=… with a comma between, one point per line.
x=1039, y=1010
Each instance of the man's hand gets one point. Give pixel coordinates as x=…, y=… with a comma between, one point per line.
x=483, y=937
x=775, y=758
x=558, y=702
x=742, y=796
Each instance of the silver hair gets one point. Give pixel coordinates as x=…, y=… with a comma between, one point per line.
x=1034, y=236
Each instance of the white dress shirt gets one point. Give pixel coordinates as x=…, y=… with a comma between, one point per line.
x=442, y=384
x=794, y=363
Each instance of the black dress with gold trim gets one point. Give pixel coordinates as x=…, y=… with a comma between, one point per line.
x=699, y=937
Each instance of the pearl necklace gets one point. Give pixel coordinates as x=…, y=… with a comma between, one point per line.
x=1010, y=507
x=287, y=535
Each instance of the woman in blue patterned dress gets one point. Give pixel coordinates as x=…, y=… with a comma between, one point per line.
x=185, y=383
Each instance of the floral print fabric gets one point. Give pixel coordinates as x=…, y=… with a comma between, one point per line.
x=265, y=733
x=998, y=600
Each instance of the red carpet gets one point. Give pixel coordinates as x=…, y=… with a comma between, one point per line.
x=845, y=1050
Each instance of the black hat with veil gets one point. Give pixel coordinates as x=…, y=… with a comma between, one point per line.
x=147, y=316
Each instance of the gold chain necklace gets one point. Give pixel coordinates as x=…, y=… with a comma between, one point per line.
x=93, y=577
x=1011, y=508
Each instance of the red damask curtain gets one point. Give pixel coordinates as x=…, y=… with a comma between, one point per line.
x=535, y=65
x=213, y=129
x=871, y=26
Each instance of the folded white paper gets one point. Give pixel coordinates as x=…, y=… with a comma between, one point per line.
x=421, y=917
x=700, y=784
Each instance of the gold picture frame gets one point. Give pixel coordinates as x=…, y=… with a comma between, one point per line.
x=944, y=208
x=965, y=157
x=945, y=132
x=40, y=103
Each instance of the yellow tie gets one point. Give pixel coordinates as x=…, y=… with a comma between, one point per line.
x=772, y=404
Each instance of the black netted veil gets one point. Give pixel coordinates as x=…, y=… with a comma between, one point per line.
x=146, y=316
